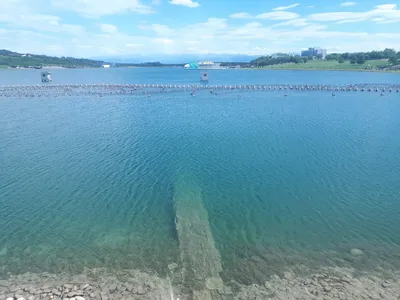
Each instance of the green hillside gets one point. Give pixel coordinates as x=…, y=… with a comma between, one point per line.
x=331, y=65
x=13, y=59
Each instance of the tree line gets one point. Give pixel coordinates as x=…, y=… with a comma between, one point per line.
x=270, y=60
x=362, y=57
x=354, y=58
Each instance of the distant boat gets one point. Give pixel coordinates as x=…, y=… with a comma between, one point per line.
x=203, y=65
x=204, y=77
x=46, y=76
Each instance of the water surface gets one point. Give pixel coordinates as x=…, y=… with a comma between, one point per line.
x=89, y=182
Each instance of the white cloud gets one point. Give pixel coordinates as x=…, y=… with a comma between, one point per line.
x=159, y=29
x=241, y=15
x=27, y=27
x=285, y=7
x=295, y=22
x=187, y=3
x=392, y=21
x=99, y=8
x=108, y=28
x=387, y=12
x=278, y=15
x=386, y=6
x=351, y=21
x=311, y=6
x=348, y=4
x=273, y=15
x=163, y=41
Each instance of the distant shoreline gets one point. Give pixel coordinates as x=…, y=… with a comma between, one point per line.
x=202, y=70
x=318, y=69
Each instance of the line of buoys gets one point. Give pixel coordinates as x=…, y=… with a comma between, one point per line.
x=101, y=89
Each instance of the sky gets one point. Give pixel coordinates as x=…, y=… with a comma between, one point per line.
x=95, y=28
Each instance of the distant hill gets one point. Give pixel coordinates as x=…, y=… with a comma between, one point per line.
x=178, y=59
x=28, y=60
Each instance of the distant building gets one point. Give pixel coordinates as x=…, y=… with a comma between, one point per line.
x=106, y=66
x=314, y=52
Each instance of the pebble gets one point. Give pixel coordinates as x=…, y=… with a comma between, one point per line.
x=356, y=252
x=172, y=267
x=288, y=287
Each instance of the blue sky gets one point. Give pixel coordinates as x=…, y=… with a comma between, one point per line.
x=90, y=28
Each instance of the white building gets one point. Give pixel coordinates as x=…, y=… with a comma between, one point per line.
x=106, y=66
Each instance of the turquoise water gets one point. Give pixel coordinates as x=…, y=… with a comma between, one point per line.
x=89, y=182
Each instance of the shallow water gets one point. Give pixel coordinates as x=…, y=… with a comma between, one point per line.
x=89, y=182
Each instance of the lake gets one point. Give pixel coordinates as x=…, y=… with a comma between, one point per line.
x=279, y=181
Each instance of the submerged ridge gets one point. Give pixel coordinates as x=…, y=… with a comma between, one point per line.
x=201, y=261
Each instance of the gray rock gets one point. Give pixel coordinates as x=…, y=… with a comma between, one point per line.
x=129, y=287
x=10, y=298
x=22, y=298
x=104, y=296
x=356, y=252
x=68, y=286
x=112, y=287
x=288, y=275
x=3, y=283
x=92, y=295
x=385, y=284
x=141, y=290
x=56, y=292
x=85, y=286
x=79, y=298
x=327, y=288
x=71, y=294
x=345, y=279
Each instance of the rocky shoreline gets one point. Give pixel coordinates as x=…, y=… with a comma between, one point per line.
x=328, y=283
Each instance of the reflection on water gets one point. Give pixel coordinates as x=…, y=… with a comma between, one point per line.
x=283, y=180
